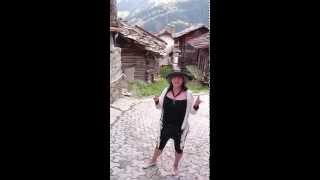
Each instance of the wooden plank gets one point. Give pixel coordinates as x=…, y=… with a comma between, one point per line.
x=132, y=58
x=131, y=54
x=133, y=61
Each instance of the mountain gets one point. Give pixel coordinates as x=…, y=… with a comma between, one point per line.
x=154, y=15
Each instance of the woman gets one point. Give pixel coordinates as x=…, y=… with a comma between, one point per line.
x=175, y=102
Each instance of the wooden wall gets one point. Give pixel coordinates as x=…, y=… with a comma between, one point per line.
x=203, y=61
x=134, y=57
x=188, y=58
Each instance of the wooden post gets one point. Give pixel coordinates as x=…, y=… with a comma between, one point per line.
x=198, y=58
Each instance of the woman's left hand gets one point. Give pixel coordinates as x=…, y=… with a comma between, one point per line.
x=198, y=101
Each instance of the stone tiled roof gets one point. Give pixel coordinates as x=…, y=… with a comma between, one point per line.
x=149, y=41
x=200, y=42
x=189, y=30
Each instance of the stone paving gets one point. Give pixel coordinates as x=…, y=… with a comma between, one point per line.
x=134, y=126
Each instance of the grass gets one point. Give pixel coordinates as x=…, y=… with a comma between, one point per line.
x=141, y=89
x=197, y=87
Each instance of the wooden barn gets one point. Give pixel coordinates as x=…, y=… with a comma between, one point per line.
x=189, y=55
x=201, y=46
x=140, y=52
x=167, y=34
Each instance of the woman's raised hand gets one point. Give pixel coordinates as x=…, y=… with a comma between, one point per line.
x=156, y=98
x=198, y=101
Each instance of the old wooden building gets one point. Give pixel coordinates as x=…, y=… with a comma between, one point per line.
x=189, y=55
x=201, y=46
x=167, y=34
x=140, y=52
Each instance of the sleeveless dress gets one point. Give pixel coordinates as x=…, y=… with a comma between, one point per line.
x=173, y=115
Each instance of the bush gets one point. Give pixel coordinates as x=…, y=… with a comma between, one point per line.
x=164, y=70
x=196, y=86
x=194, y=72
x=140, y=88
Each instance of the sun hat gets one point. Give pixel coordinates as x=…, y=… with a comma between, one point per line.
x=178, y=73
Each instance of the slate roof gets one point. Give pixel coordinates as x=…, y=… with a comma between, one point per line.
x=189, y=30
x=200, y=42
x=149, y=41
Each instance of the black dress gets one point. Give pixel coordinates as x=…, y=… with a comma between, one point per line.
x=172, y=119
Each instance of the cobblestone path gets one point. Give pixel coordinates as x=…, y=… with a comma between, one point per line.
x=133, y=134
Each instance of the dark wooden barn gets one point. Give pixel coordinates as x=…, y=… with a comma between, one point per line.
x=201, y=47
x=140, y=52
x=189, y=54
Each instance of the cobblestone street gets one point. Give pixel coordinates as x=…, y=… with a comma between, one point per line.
x=134, y=125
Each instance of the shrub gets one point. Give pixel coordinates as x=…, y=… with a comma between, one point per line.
x=196, y=86
x=140, y=88
x=164, y=70
x=194, y=71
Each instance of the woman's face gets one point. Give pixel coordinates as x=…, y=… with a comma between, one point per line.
x=177, y=81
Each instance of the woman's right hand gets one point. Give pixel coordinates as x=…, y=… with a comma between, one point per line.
x=156, y=99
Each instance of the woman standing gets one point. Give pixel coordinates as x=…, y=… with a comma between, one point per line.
x=175, y=103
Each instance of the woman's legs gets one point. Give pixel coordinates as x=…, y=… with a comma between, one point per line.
x=156, y=154
x=163, y=141
x=157, y=151
x=153, y=161
x=178, y=157
x=178, y=145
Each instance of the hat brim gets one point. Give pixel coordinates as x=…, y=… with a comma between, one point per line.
x=173, y=74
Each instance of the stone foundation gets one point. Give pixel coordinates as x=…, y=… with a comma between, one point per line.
x=115, y=64
x=117, y=78
x=116, y=89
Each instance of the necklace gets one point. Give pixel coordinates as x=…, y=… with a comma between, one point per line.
x=174, y=96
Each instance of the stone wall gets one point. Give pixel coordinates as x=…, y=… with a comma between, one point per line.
x=116, y=89
x=117, y=78
x=115, y=64
x=113, y=12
